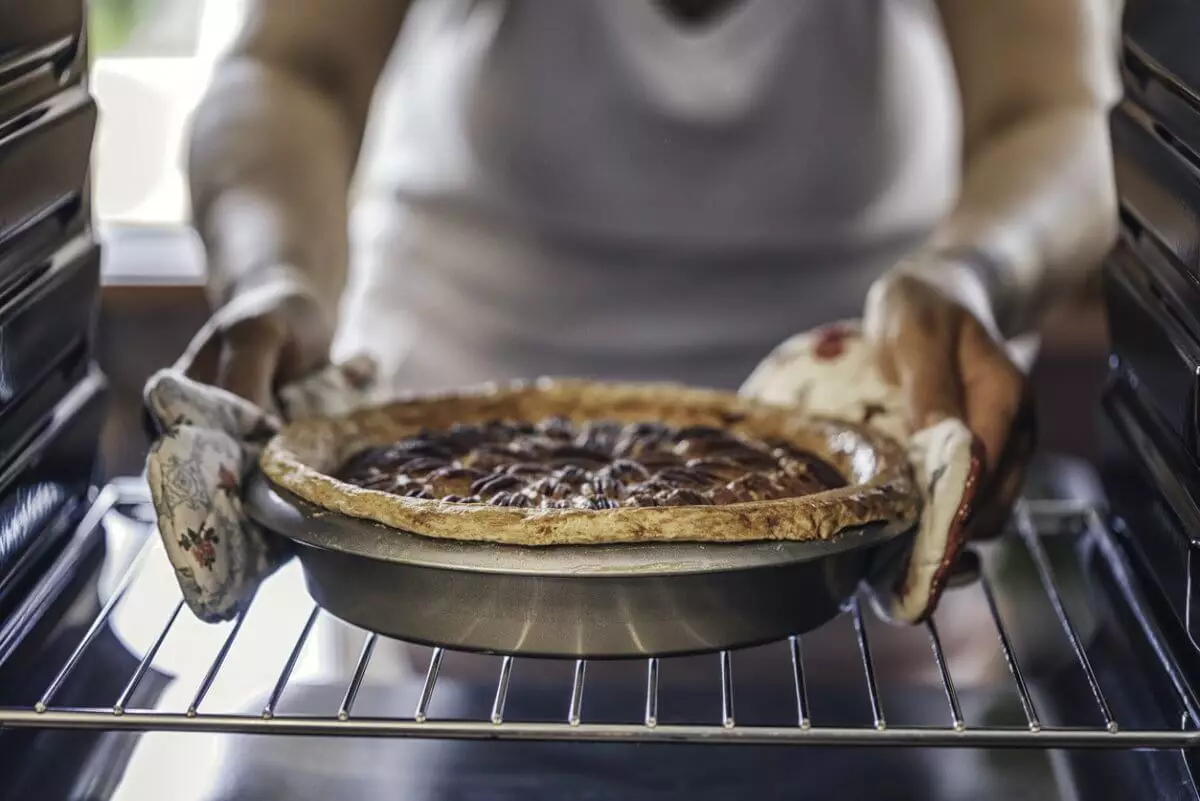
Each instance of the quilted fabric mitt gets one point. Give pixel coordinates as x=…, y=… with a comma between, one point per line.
x=208, y=441
x=831, y=371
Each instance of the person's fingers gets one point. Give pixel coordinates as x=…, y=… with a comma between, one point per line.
x=929, y=384
x=994, y=392
x=914, y=338
x=205, y=363
x=297, y=362
x=250, y=357
x=249, y=372
x=1007, y=479
x=922, y=358
x=990, y=517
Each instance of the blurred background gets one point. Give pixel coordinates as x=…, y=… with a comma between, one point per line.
x=151, y=62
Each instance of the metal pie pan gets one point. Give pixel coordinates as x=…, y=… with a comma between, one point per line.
x=603, y=601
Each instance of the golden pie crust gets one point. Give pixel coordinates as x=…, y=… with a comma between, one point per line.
x=881, y=489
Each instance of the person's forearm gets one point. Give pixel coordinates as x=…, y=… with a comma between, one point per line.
x=270, y=166
x=275, y=142
x=1038, y=204
x=1037, y=208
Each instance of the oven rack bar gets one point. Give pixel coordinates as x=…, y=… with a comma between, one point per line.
x=724, y=727
x=407, y=728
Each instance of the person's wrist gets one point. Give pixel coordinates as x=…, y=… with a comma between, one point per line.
x=960, y=280
x=283, y=294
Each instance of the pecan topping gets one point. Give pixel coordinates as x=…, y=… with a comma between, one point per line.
x=755, y=487
x=599, y=436
x=626, y=470
x=719, y=469
x=685, y=497
x=413, y=448
x=702, y=432
x=451, y=480
x=680, y=475
x=571, y=474
x=491, y=484
x=720, y=496
x=525, y=469
x=574, y=454
x=603, y=487
x=424, y=465
x=556, y=427
x=601, y=464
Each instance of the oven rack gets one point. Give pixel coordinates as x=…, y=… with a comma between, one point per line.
x=1031, y=520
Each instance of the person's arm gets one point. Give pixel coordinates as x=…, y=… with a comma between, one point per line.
x=1036, y=213
x=1037, y=210
x=273, y=149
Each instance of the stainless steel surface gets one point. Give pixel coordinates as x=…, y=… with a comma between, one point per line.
x=939, y=656
x=575, y=710
x=1010, y=657
x=651, y=717
x=211, y=675
x=147, y=660
x=435, y=664
x=1030, y=536
x=94, y=630
x=578, y=724
x=578, y=602
x=502, y=689
x=360, y=672
x=864, y=648
x=802, y=717
x=285, y=675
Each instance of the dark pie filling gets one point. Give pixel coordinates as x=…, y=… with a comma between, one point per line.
x=556, y=464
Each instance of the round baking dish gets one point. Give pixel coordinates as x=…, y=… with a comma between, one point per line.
x=589, y=601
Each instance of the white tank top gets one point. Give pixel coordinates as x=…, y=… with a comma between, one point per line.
x=592, y=188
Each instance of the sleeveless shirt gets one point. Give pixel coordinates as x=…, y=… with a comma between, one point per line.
x=592, y=188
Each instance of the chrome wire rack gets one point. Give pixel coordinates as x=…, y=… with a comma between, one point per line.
x=1031, y=518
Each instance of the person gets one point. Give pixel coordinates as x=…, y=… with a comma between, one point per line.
x=657, y=189
x=473, y=190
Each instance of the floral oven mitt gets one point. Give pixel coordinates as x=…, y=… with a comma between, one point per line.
x=832, y=372
x=209, y=441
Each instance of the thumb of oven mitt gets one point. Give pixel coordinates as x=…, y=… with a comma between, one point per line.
x=832, y=372
x=209, y=441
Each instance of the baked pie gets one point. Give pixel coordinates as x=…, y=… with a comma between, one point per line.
x=572, y=462
x=558, y=464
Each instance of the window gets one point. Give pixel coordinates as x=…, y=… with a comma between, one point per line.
x=151, y=60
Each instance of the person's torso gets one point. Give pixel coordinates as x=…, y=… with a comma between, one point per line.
x=593, y=187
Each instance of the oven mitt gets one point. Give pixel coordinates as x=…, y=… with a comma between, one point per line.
x=209, y=441
x=832, y=372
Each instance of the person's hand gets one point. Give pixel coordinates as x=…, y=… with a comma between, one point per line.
x=253, y=354
x=948, y=362
x=261, y=354
x=207, y=441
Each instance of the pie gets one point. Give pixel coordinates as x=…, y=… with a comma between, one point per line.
x=598, y=464
x=578, y=462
